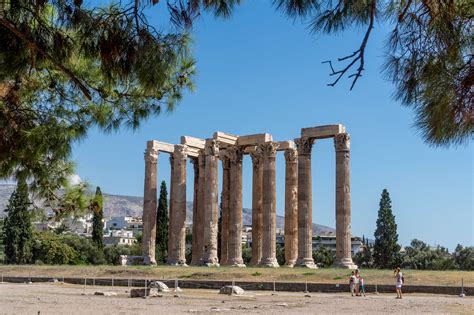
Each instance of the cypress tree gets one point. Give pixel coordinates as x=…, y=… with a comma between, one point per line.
x=18, y=231
x=386, y=248
x=162, y=224
x=98, y=219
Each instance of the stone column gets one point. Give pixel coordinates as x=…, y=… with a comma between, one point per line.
x=257, y=213
x=171, y=235
x=196, y=253
x=225, y=208
x=199, y=232
x=291, y=207
x=211, y=207
x=149, y=205
x=235, y=208
x=305, y=206
x=343, y=202
x=269, y=205
x=178, y=228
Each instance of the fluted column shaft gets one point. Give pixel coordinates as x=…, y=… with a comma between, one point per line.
x=211, y=207
x=257, y=212
x=291, y=207
x=178, y=230
x=196, y=255
x=225, y=209
x=149, y=205
x=235, y=208
x=198, y=233
x=171, y=235
x=343, y=202
x=269, y=205
x=305, y=201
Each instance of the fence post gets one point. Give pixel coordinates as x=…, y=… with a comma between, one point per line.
x=274, y=290
x=2, y=278
x=112, y=282
x=462, y=288
x=306, y=287
x=376, y=288
x=145, y=288
x=85, y=283
x=233, y=284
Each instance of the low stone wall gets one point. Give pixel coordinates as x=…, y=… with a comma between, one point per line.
x=248, y=285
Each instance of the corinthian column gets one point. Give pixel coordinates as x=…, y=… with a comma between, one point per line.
x=305, y=204
x=178, y=201
x=269, y=205
x=235, y=208
x=291, y=207
x=343, y=202
x=198, y=233
x=257, y=213
x=149, y=205
x=225, y=208
x=211, y=214
x=196, y=255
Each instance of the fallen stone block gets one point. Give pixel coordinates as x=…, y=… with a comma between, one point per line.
x=104, y=293
x=228, y=289
x=160, y=286
x=149, y=292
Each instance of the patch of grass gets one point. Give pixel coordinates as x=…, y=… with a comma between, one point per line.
x=256, y=274
x=337, y=278
x=308, y=273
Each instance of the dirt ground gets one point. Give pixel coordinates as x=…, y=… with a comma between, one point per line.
x=57, y=298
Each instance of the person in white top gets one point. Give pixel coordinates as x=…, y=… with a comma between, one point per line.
x=399, y=282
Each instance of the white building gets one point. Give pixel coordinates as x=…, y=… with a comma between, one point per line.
x=119, y=237
x=134, y=224
x=329, y=240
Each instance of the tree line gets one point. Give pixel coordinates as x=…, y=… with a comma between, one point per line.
x=22, y=245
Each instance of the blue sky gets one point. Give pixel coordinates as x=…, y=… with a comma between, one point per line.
x=261, y=72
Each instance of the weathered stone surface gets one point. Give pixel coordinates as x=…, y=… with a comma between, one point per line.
x=285, y=145
x=225, y=208
x=254, y=139
x=211, y=207
x=176, y=253
x=343, y=203
x=198, y=220
x=196, y=253
x=150, y=204
x=225, y=139
x=257, y=211
x=235, y=208
x=305, y=204
x=161, y=146
x=193, y=142
x=269, y=205
x=228, y=289
x=160, y=286
x=291, y=207
x=321, y=132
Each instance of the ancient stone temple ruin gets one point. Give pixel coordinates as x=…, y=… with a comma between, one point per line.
x=205, y=154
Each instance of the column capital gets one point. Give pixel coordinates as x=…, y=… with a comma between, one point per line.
x=291, y=155
x=180, y=152
x=342, y=142
x=211, y=148
x=151, y=155
x=304, y=145
x=235, y=155
x=268, y=149
x=257, y=157
x=225, y=161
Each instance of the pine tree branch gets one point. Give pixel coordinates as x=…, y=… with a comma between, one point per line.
x=8, y=25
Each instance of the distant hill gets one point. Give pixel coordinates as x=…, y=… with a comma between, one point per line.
x=120, y=205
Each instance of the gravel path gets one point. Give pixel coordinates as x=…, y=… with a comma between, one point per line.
x=57, y=298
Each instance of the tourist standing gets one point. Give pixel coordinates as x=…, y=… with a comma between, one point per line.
x=357, y=282
x=352, y=280
x=399, y=282
x=361, y=286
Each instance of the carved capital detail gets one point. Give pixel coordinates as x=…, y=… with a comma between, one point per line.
x=151, y=155
x=180, y=152
x=256, y=157
x=225, y=161
x=291, y=155
x=235, y=155
x=342, y=142
x=304, y=145
x=211, y=148
x=268, y=149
